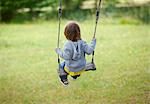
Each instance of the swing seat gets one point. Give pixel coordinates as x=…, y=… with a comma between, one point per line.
x=90, y=66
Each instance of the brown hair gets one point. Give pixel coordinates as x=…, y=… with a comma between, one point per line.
x=72, y=31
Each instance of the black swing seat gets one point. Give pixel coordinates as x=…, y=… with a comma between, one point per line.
x=90, y=66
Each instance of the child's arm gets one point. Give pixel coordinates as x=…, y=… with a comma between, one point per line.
x=65, y=54
x=89, y=48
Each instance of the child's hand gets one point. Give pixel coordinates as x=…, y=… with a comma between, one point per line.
x=58, y=50
x=94, y=41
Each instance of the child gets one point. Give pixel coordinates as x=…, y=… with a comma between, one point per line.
x=74, y=53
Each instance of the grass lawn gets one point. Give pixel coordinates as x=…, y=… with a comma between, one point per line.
x=28, y=65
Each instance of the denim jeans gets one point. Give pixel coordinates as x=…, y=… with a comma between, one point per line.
x=61, y=70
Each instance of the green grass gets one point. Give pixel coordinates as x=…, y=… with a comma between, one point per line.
x=28, y=65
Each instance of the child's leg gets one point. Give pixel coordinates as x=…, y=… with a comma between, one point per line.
x=61, y=70
x=63, y=74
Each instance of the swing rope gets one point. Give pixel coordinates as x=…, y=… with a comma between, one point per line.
x=96, y=22
x=59, y=18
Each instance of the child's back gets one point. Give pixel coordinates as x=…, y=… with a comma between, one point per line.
x=74, y=54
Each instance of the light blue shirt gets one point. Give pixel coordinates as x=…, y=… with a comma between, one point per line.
x=74, y=54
